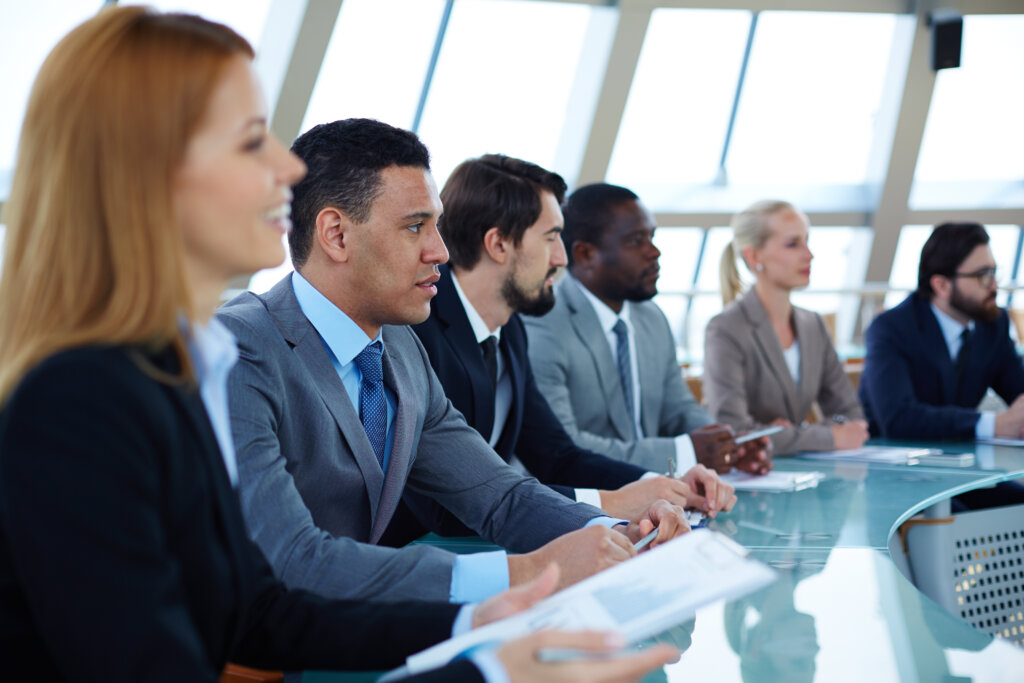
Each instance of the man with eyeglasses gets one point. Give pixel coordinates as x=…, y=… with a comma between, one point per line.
x=931, y=359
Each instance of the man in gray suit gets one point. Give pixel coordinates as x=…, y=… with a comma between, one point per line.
x=335, y=409
x=605, y=357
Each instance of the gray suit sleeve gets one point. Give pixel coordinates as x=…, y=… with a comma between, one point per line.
x=680, y=411
x=549, y=357
x=836, y=395
x=302, y=554
x=516, y=512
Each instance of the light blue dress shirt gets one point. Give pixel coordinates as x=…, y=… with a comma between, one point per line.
x=214, y=352
x=474, y=577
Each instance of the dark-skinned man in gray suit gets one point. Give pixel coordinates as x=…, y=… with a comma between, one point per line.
x=605, y=357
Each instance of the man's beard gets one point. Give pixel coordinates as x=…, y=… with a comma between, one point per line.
x=639, y=291
x=522, y=302
x=985, y=312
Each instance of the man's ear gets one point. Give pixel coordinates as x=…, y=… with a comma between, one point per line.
x=584, y=254
x=496, y=246
x=941, y=285
x=331, y=230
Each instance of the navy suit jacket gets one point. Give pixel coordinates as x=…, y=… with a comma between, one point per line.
x=123, y=552
x=531, y=431
x=908, y=388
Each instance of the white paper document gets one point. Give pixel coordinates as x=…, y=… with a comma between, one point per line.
x=639, y=598
x=886, y=455
x=1002, y=442
x=773, y=481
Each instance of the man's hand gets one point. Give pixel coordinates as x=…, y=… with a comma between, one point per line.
x=670, y=520
x=714, y=447
x=578, y=554
x=517, y=599
x=521, y=659
x=755, y=456
x=632, y=500
x=710, y=493
x=852, y=434
x=1010, y=422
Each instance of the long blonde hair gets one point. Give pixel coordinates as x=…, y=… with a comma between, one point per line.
x=749, y=228
x=93, y=254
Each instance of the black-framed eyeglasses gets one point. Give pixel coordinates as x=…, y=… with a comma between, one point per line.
x=986, y=277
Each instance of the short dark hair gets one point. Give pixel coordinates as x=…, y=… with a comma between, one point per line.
x=492, y=191
x=343, y=161
x=947, y=247
x=587, y=211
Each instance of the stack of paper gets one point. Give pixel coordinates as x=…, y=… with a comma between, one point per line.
x=886, y=455
x=774, y=481
x=1002, y=442
x=639, y=598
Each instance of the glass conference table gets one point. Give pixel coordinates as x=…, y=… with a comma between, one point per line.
x=840, y=609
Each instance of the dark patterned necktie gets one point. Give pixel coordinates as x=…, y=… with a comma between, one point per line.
x=373, y=407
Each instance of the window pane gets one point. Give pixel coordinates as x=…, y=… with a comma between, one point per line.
x=1003, y=241
x=808, y=107
x=364, y=73
x=680, y=249
x=247, y=17
x=263, y=280
x=681, y=96
x=974, y=131
x=28, y=32
x=509, y=98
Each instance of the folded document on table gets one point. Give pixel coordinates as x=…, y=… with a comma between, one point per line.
x=886, y=455
x=639, y=598
x=773, y=481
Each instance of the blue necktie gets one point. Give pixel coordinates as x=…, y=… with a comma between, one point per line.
x=373, y=407
x=625, y=369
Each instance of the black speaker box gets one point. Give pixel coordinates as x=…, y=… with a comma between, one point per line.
x=947, y=34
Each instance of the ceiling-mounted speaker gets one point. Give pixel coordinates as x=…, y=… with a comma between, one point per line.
x=947, y=35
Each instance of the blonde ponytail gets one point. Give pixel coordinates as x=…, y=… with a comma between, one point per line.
x=729, y=276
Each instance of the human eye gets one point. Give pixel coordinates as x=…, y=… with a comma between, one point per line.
x=255, y=143
x=415, y=227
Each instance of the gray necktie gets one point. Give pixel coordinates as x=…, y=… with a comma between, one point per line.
x=625, y=370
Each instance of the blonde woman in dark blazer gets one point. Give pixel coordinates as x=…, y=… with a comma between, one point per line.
x=767, y=361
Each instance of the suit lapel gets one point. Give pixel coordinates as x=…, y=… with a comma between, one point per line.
x=810, y=360
x=396, y=379
x=649, y=372
x=459, y=333
x=191, y=406
x=514, y=366
x=768, y=345
x=310, y=350
x=934, y=346
x=588, y=328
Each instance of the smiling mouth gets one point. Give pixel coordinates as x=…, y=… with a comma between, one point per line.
x=280, y=217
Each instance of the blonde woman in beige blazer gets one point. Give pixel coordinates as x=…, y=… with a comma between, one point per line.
x=767, y=361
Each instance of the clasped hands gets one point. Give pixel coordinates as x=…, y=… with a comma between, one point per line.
x=716, y=448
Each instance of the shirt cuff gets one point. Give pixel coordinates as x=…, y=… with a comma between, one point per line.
x=463, y=620
x=652, y=475
x=686, y=458
x=588, y=496
x=487, y=661
x=478, y=576
x=985, y=427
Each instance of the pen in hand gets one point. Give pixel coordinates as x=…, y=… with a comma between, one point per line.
x=645, y=541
